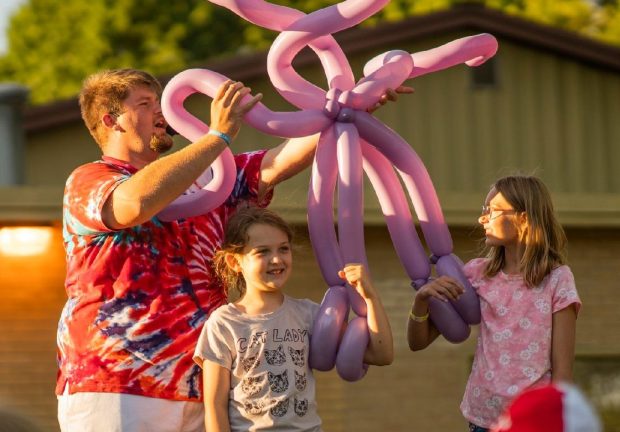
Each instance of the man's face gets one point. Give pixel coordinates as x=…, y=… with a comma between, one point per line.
x=143, y=120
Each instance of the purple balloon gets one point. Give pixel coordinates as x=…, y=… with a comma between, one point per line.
x=397, y=214
x=350, y=359
x=321, y=209
x=350, y=198
x=352, y=141
x=279, y=18
x=218, y=180
x=292, y=86
x=357, y=302
x=327, y=328
x=448, y=321
x=416, y=179
x=468, y=304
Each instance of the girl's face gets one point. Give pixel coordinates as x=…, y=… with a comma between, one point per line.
x=500, y=221
x=266, y=261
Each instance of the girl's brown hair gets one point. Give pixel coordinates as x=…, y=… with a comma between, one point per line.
x=543, y=236
x=236, y=238
x=104, y=92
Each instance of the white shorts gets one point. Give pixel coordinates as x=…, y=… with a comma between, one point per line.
x=117, y=412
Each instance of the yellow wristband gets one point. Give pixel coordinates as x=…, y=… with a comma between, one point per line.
x=415, y=318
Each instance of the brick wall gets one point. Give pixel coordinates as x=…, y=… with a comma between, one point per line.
x=32, y=295
x=420, y=391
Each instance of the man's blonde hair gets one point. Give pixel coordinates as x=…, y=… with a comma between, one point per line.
x=104, y=92
x=543, y=237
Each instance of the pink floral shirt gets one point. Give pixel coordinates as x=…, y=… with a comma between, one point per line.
x=514, y=344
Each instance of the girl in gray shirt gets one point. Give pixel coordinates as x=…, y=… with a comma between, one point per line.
x=254, y=351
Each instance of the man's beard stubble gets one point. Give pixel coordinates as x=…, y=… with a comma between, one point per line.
x=161, y=143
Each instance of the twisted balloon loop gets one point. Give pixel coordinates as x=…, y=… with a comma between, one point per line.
x=351, y=142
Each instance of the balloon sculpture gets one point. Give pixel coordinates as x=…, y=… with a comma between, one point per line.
x=351, y=141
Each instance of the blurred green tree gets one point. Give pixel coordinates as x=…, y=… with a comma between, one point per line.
x=599, y=19
x=54, y=44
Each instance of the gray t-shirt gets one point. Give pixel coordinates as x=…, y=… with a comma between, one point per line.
x=271, y=383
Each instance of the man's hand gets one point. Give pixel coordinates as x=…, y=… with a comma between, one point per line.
x=227, y=108
x=390, y=95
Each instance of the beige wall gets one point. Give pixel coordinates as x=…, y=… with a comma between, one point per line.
x=548, y=114
x=420, y=391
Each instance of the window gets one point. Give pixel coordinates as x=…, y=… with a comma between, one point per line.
x=485, y=75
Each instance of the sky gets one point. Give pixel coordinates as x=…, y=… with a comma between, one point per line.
x=7, y=7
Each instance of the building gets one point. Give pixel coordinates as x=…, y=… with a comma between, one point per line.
x=549, y=103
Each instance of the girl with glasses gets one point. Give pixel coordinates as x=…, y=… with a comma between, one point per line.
x=528, y=301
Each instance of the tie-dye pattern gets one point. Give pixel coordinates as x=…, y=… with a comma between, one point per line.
x=138, y=297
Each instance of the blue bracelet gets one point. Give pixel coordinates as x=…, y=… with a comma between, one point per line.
x=227, y=139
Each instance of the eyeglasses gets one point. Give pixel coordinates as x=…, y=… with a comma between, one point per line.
x=492, y=213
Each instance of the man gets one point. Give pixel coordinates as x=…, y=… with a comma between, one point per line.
x=139, y=289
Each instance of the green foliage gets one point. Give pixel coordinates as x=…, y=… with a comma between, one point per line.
x=610, y=22
x=597, y=19
x=54, y=44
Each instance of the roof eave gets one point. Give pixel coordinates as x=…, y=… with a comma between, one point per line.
x=468, y=16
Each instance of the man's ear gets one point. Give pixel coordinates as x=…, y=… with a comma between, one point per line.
x=111, y=122
x=108, y=120
x=232, y=262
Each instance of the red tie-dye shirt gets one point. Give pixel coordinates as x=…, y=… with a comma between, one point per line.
x=138, y=297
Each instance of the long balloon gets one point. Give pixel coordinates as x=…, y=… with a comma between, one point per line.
x=351, y=142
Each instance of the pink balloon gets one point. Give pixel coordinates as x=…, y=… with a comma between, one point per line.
x=352, y=141
x=394, y=70
x=397, y=214
x=287, y=45
x=219, y=179
x=279, y=18
x=282, y=124
x=350, y=199
x=221, y=173
x=321, y=209
x=416, y=179
x=471, y=50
